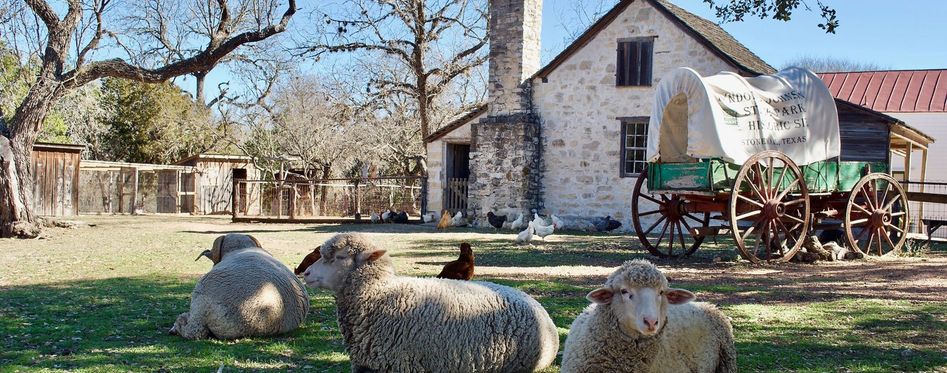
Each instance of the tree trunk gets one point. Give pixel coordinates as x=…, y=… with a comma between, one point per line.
x=323, y=190
x=17, y=218
x=200, y=77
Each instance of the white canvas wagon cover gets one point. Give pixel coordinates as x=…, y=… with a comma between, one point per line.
x=733, y=117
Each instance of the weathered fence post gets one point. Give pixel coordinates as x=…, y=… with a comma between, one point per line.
x=233, y=200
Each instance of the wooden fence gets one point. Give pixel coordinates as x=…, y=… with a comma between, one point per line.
x=455, y=198
x=327, y=200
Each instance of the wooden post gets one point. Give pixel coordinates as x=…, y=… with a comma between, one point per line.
x=135, y=190
x=234, y=200
x=292, y=202
x=358, y=199
x=920, y=209
x=907, y=161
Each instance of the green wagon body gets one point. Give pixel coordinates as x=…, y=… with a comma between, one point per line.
x=717, y=176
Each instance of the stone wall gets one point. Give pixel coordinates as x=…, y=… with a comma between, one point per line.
x=505, y=154
x=580, y=106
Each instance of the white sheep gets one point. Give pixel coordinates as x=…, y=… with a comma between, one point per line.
x=247, y=293
x=637, y=324
x=394, y=323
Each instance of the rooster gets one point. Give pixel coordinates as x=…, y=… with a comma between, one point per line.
x=400, y=218
x=386, y=216
x=556, y=222
x=462, y=268
x=445, y=220
x=607, y=224
x=496, y=220
x=308, y=260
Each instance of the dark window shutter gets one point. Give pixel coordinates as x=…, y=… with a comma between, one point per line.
x=620, y=71
x=647, y=48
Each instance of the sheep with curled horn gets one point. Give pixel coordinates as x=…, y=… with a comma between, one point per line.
x=246, y=293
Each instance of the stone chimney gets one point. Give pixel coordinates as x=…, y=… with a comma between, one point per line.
x=506, y=154
x=515, y=26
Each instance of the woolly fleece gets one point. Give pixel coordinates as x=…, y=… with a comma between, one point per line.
x=393, y=323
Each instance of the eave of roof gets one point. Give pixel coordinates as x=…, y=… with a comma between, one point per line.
x=751, y=64
x=892, y=121
x=457, y=123
x=892, y=91
x=69, y=148
x=214, y=157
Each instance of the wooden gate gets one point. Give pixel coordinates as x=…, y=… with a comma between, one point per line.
x=455, y=198
x=167, y=192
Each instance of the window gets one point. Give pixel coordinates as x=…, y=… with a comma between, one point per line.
x=634, y=62
x=634, y=145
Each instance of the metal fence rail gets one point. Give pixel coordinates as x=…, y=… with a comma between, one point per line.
x=326, y=199
x=928, y=200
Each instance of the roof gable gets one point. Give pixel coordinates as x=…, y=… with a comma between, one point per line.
x=709, y=34
x=457, y=123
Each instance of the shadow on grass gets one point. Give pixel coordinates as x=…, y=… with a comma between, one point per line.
x=122, y=324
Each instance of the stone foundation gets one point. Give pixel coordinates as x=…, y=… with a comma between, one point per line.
x=505, y=165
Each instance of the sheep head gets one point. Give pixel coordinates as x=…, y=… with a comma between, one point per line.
x=341, y=255
x=227, y=244
x=638, y=295
x=308, y=260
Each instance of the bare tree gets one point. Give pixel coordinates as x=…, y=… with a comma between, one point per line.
x=832, y=64
x=435, y=41
x=81, y=32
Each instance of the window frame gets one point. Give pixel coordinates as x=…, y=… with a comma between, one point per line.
x=636, y=79
x=624, y=122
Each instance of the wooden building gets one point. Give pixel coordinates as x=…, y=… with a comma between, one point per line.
x=136, y=188
x=215, y=175
x=56, y=179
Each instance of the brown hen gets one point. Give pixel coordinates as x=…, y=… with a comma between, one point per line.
x=462, y=268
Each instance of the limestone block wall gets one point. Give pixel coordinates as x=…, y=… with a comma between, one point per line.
x=436, y=161
x=505, y=167
x=514, y=52
x=579, y=108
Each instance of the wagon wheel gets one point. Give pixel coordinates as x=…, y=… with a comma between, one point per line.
x=771, y=200
x=876, y=213
x=672, y=216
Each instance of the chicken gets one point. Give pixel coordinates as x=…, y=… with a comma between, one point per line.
x=430, y=217
x=518, y=223
x=307, y=261
x=445, y=220
x=375, y=218
x=607, y=224
x=462, y=268
x=538, y=220
x=556, y=222
x=386, y=216
x=496, y=220
x=525, y=236
x=400, y=218
x=458, y=220
x=543, y=230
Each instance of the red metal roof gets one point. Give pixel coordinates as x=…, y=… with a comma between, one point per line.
x=893, y=91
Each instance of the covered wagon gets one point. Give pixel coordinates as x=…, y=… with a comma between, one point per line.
x=761, y=157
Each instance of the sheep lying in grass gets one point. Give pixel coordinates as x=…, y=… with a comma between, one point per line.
x=394, y=323
x=637, y=324
x=246, y=293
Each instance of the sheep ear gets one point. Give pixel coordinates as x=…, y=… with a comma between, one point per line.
x=679, y=296
x=371, y=256
x=255, y=241
x=600, y=296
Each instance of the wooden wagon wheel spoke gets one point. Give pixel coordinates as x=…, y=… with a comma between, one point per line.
x=782, y=176
x=749, y=214
x=650, y=213
x=867, y=198
x=881, y=250
x=652, y=199
x=757, y=191
x=890, y=203
x=651, y=228
x=688, y=226
x=862, y=209
x=795, y=219
x=752, y=201
x=895, y=227
x=769, y=241
x=890, y=242
x=789, y=187
x=859, y=221
x=671, y=211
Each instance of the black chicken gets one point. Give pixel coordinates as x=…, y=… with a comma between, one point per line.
x=400, y=218
x=496, y=220
x=607, y=224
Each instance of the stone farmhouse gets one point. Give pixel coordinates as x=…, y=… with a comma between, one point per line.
x=569, y=138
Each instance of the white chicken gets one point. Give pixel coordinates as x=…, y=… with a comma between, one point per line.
x=386, y=216
x=518, y=223
x=375, y=218
x=538, y=220
x=525, y=236
x=556, y=222
x=431, y=217
x=543, y=230
x=458, y=220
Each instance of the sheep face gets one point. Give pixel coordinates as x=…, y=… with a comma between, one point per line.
x=638, y=295
x=229, y=243
x=340, y=256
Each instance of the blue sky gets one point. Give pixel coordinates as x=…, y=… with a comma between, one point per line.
x=909, y=34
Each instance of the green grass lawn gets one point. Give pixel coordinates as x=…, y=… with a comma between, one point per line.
x=103, y=298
